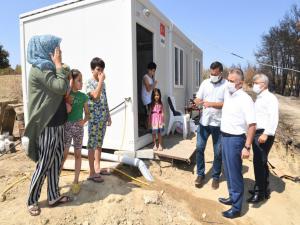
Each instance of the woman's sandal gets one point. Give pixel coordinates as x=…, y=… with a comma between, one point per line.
x=61, y=200
x=96, y=178
x=34, y=210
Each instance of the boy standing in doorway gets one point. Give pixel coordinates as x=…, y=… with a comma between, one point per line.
x=148, y=84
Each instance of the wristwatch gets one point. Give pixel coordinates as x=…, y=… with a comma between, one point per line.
x=248, y=148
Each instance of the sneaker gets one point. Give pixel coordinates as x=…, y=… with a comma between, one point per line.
x=199, y=181
x=154, y=148
x=215, y=184
x=75, y=189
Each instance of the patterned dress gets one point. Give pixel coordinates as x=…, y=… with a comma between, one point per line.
x=99, y=114
x=157, y=119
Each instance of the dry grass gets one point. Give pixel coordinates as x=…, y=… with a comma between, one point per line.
x=11, y=87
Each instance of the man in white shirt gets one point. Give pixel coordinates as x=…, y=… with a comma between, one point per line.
x=148, y=84
x=211, y=95
x=238, y=128
x=266, y=110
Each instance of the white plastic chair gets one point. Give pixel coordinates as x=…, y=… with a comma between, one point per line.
x=177, y=116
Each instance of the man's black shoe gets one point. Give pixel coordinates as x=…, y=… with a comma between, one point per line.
x=268, y=194
x=252, y=192
x=231, y=214
x=225, y=201
x=256, y=198
x=199, y=181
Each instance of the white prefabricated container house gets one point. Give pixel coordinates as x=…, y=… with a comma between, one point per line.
x=127, y=35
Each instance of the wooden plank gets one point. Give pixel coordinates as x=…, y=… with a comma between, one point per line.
x=3, y=106
x=176, y=153
x=70, y=165
x=8, y=122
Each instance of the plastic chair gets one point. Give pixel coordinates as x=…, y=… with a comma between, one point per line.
x=177, y=116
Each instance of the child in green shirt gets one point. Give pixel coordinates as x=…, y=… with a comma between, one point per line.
x=75, y=123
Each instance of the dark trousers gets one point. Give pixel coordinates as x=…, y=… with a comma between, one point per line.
x=260, y=161
x=203, y=133
x=51, y=152
x=232, y=147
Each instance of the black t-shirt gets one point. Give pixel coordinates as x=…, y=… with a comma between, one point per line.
x=60, y=117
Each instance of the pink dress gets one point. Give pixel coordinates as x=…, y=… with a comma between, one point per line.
x=157, y=119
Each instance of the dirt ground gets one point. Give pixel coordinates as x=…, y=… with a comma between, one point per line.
x=289, y=112
x=171, y=199
x=11, y=87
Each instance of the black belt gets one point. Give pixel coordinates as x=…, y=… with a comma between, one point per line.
x=232, y=135
x=259, y=131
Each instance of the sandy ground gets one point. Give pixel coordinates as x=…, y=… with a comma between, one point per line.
x=171, y=199
x=11, y=87
x=289, y=112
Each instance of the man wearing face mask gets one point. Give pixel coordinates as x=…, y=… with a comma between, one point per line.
x=238, y=128
x=266, y=110
x=211, y=95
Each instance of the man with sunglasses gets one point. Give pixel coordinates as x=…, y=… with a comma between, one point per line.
x=238, y=125
x=266, y=110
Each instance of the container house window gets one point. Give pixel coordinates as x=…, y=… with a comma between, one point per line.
x=197, y=72
x=178, y=67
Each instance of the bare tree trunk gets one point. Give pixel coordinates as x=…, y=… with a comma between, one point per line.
x=297, y=85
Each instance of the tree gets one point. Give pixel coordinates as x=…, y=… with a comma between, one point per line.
x=280, y=48
x=4, y=62
x=18, y=69
x=249, y=73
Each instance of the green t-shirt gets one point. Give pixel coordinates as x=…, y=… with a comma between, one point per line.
x=78, y=100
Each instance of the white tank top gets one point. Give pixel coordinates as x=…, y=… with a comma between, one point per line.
x=146, y=96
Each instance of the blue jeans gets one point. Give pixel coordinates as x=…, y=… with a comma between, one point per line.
x=203, y=133
x=231, y=153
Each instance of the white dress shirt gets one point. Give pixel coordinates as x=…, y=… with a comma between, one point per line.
x=211, y=92
x=266, y=111
x=237, y=113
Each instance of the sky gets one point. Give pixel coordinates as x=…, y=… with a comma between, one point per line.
x=218, y=27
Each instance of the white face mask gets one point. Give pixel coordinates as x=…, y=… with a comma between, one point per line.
x=256, y=88
x=214, y=79
x=231, y=87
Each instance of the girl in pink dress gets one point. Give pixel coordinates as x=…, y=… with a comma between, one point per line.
x=156, y=119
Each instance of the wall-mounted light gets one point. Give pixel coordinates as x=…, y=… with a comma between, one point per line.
x=146, y=12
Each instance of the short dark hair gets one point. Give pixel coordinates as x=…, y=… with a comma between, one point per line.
x=97, y=62
x=151, y=66
x=75, y=73
x=216, y=65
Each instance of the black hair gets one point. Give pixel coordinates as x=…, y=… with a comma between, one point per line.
x=151, y=66
x=75, y=73
x=216, y=65
x=152, y=97
x=97, y=62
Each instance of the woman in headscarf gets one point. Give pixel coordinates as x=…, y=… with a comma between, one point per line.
x=47, y=85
